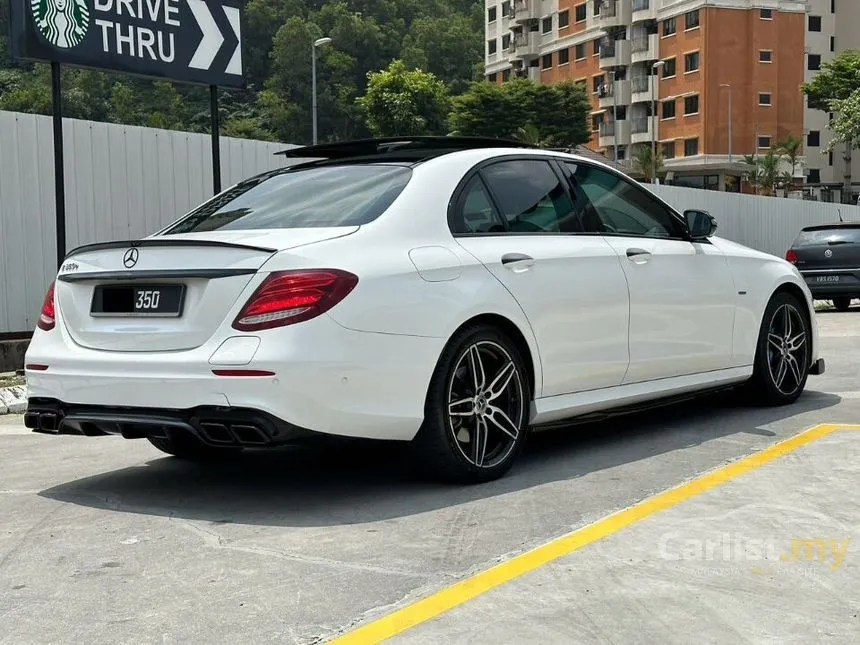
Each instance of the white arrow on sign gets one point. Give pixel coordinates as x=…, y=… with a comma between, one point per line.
x=208, y=48
x=235, y=65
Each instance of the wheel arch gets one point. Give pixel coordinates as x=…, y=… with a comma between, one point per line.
x=510, y=329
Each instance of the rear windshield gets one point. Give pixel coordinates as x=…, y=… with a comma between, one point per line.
x=846, y=235
x=302, y=198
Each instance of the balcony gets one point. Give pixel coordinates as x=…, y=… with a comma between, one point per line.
x=642, y=88
x=523, y=11
x=644, y=10
x=525, y=45
x=614, y=53
x=614, y=133
x=645, y=48
x=615, y=13
x=641, y=129
x=622, y=95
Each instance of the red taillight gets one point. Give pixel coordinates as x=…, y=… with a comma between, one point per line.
x=791, y=256
x=47, y=319
x=288, y=297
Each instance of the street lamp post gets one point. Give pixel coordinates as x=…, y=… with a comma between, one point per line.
x=615, y=113
x=656, y=79
x=317, y=43
x=730, y=118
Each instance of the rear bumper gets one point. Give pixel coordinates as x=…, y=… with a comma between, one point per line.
x=327, y=379
x=213, y=426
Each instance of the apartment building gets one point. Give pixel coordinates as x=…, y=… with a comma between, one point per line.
x=707, y=81
x=832, y=27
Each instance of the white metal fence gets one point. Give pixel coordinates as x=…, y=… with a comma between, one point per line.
x=127, y=182
x=122, y=182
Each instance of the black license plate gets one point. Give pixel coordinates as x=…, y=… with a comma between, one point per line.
x=161, y=300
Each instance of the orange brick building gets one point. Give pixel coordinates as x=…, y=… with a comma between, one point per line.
x=686, y=60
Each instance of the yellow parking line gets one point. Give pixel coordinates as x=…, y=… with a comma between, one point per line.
x=455, y=595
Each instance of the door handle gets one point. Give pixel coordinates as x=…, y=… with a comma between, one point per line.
x=518, y=260
x=638, y=256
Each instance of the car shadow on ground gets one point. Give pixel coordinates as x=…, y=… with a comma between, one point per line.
x=337, y=482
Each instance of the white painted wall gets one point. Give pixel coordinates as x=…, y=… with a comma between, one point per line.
x=122, y=182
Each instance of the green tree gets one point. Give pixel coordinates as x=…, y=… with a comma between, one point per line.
x=846, y=124
x=400, y=101
x=791, y=147
x=828, y=91
x=765, y=171
x=642, y=161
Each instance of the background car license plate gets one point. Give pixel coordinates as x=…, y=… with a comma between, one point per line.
x=138, y=300
x=827, y=278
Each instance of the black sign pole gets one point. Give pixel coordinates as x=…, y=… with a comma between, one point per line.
x=216, y=139
x=59, y=165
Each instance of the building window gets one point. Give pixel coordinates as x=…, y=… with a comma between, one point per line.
x=622, y=154
x=669, y=68
x=691, y=105
x=813, y=139
x=814, y=176
x=832, y=6
x=691, y=147
x=580, y=12
x=580, y=51
x=814, y=62
x=491, y=14
x=563, y=56
x=670, y=26
x=546, y=25
x=766, y=14
x=668, y=109
x=597, y=4
x=563, y=19
x=833, y=43
x=506, y=9
x=506, y=42
x=691, y=62
x=596, y=121
x=691, y=19
x=830, y=158
x=596, y=82
x=765, y=56
x=546, y=61
x=492, y=77
x=492, y=46
x=814, y=23
x=669, y=150
x=764, y=98
x=596, y=46
x=764, y=143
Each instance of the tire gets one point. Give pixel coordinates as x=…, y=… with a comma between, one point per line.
x=479, y=440
x=843, y=303
x=777, y=379
x=186, y=447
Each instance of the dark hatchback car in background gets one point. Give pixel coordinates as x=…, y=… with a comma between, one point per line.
x=828, y=257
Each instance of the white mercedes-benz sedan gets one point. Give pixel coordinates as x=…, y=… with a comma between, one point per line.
x=450, y=292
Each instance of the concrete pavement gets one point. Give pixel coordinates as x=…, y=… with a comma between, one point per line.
x=107, y=541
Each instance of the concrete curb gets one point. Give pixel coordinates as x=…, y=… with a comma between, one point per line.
x=13, y=400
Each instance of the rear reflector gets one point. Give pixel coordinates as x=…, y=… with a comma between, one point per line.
x=288, y=297
x=34, y=367
x=791, y=256
x=242, y=373
x=47, y=319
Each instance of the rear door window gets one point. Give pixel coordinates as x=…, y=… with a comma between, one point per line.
x=315, y=197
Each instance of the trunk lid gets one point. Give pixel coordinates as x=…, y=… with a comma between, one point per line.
x=833, y=248
x=166, y=292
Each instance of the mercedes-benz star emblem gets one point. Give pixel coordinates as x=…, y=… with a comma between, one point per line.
x=130, y=258
x=828, y=253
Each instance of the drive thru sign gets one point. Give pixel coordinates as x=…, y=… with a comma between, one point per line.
x=191, y=41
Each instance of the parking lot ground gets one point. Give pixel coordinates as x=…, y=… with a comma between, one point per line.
x=108, y=541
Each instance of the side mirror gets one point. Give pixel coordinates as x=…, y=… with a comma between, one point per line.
x=700, y=224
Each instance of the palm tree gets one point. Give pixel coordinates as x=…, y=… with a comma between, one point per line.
x=642, y=162
x=791, y=147
x=530, y=134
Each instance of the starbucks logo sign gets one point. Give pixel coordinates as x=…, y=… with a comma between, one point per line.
x=63, y=23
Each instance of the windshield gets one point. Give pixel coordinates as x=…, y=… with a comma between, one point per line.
x=301, y=198
x=842, y=235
